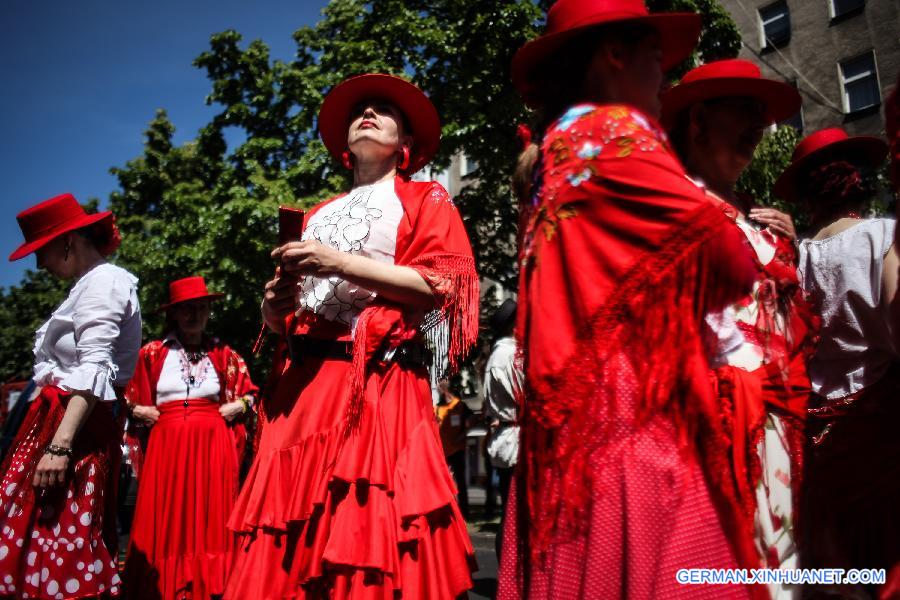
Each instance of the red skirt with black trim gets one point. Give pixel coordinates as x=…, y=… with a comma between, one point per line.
x=60, y=542
x=368, y=514
x=180, y=546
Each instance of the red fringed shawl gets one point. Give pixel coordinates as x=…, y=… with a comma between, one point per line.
x=621, y=258
x=230, y=368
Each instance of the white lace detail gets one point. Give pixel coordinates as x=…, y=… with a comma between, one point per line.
x=364, y=222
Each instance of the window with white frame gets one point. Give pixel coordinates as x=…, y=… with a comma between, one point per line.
x=774, y=24
x=839, y=8
x=467, y=166
x=859, y=83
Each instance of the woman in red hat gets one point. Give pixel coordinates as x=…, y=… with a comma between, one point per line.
x=622, y=477
x=57, y=497
x=192, y=391
x=849, y=267
x=759, y=345
x=349, y=495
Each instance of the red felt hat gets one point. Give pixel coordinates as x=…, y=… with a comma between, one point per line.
x=48, y=220
x=422, y=117
x=828, y=144
x=726, y=79
x=678, y=35
x=189, y=288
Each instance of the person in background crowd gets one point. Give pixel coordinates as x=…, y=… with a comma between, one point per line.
x=453, y=417
x=759, y=345
x=503, y=380
x=349, y=495
x=193, y=392
x=624, y=476
x=849, y=267
x=57, y=497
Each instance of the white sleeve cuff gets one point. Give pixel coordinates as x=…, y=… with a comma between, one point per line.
x=91, y=378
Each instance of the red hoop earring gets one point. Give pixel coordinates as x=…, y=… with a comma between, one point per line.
x=347, y=159
x=404, y=159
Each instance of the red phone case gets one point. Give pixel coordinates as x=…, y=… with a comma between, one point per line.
x=290, y=224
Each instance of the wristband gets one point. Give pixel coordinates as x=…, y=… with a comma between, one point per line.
x=58, y=450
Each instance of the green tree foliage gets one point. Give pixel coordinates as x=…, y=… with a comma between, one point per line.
x=23, y=309
x=205, y=208
x=772, y=156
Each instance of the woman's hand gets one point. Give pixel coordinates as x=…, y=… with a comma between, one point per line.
x=279, y=300
x=231, y=410
x=148, y=415
x=311, y=257
x=776, y=220
x=51, y=471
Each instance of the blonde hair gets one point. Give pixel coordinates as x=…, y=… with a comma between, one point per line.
x=523, y=175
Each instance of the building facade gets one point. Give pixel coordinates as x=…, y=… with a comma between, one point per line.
x=842, y=55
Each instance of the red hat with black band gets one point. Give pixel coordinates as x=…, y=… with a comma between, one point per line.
x=420, y=114
x=566, y=19
x=822, y=146
x=44, y=222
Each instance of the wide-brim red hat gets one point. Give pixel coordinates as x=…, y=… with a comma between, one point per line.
x=828, y=144
x=566, y=19
x=730, y=78
x=44, y=222
x=189, y=288
x=422, y=117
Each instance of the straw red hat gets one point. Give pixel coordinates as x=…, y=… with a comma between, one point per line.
x=828, y=144
x=678, y=34
x=422, y=117
x=730, y=78
x=189, y=288
x=48, y=220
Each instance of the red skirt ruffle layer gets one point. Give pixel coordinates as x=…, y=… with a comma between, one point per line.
x=180, y=546
x=60, y=543
x=367, y=514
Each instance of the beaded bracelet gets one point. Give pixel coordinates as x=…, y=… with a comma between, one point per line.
x=58, y=450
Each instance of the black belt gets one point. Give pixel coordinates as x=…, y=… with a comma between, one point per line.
x=408, y=354
x=303, y=346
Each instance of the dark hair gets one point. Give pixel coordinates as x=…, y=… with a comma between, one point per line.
x=559, y=84
x=836, y=186
x=559, y=81
x=103, y=235
x=679, y=133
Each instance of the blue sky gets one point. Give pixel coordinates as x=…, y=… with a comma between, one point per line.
x=82, y=79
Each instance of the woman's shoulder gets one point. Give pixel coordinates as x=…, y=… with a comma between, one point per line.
x=599, y=132
x=110, y=273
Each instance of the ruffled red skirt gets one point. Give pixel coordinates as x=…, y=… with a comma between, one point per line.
x=180, y=546
x=60, y=543
x=367, y=514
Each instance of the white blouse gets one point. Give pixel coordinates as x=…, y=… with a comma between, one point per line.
x=842, y=273
x=503, y=381
x=364, y=222
x=91, y=342
x=175, y=379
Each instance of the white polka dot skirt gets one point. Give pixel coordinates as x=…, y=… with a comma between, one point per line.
x=51, y=541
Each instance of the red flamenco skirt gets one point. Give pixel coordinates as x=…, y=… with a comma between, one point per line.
x=60, y=543
x=180, y=546
x=329, y=514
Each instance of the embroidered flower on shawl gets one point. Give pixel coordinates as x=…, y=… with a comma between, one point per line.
x=439, y=194
x=577, y=179
x=572, y=115
x=589, y=151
